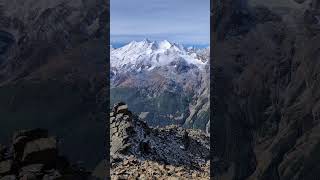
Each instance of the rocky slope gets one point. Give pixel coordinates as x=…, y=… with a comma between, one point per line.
x=266, y=94
x=52, y=69
x=34, y=155
x=141, y=152
x=163, y=82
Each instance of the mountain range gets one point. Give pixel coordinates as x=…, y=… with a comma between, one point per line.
x=164, y=82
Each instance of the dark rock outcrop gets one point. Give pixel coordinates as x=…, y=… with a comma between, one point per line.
x=139, y=151
x=34, y=155
x=52, y=72
x=267, y=101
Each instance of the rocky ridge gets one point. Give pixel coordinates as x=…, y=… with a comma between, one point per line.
x=142, y=152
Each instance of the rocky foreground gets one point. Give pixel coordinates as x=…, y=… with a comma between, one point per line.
x=33, y=155
x=141, y=152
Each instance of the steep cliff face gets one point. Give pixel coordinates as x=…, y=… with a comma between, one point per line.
x=52, y=71
x=267, y=84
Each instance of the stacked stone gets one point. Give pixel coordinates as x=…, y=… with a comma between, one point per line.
x=34, y=155
x=121, y=128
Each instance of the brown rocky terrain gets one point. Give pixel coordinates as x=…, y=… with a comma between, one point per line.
x=141, y=152
x=266, y=93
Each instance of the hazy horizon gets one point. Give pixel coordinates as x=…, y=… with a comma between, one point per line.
x=181, y=21
x=121, y=44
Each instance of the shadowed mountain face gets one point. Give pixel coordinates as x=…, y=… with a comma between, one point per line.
x=6, y=40
x=52, y=73
x=267, y=102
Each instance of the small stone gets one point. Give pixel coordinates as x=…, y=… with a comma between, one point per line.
x=32, y=168
x=32, y=134
x=123, y=177
x=40, y=150
x=9, y=177
x=53, y=175
x=122, y=109
x=115, y=107
x=162, y=167
x=28, y=176
x=125, y=117
x=194, y=175
x=117, y=123
x=126, y=162
x=173, y=178
x=119, y=116
x=6, y=166
x=121, y=172
x=32, y=171
x=112, y=119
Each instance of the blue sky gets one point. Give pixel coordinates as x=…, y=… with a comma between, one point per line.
x=182, y=21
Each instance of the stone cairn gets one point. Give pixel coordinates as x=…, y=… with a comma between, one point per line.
x=33, y=155
x=121, y=128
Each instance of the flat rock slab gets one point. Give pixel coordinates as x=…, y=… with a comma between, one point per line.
x=9, y=177
x=40, y=150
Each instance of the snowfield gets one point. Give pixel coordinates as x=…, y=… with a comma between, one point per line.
x=146, y=55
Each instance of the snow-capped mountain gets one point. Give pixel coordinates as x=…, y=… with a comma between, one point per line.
x=164, y=81
x=146, y=55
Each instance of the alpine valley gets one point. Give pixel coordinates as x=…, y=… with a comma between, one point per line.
x=163, y=82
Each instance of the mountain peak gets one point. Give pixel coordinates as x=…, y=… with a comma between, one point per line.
x=151, y=54
x=166, y=41
x=165, y=44
x=147, y=40
x=132, y=43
